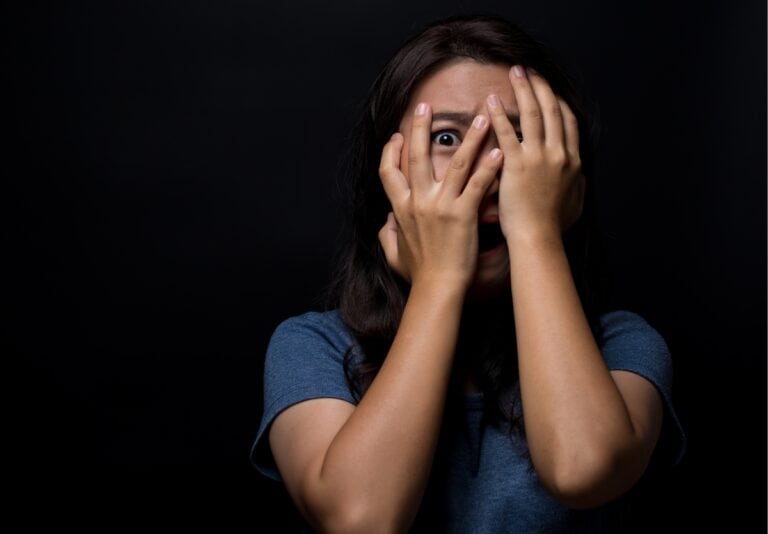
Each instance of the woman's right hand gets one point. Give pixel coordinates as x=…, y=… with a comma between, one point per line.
x=431, y=235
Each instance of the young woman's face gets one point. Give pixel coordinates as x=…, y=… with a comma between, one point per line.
x=457, y=93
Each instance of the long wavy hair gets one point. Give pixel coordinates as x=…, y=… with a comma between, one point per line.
x=369, y=295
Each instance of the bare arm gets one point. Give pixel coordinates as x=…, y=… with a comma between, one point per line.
x=588, y=442
x=373, y=474
x=365, y=468
x=590, y=432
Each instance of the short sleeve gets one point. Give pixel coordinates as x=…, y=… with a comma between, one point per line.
x=304, y=360
x=629, y=343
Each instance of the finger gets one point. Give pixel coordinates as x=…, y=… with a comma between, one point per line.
x=393, y=180
x=530, y=112
x=463, y=159
x=419, y=162
x=550, y=108
x=505, y=132
x=571, y=132
x=483, y=177
x=388, y=241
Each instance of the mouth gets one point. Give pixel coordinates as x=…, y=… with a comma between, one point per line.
x=490, y=236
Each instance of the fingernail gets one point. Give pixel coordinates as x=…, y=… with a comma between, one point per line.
x=532, y=71
x=519, y=72
x=421, y=109
x=480, y=122
x=493, y=101
x=495, y=153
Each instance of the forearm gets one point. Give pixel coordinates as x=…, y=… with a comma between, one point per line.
x=381, y=458
x=575, y=418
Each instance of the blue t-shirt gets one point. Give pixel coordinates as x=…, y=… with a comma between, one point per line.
x=481, y=480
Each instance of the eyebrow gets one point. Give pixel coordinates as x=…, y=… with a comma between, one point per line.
x=465, y=119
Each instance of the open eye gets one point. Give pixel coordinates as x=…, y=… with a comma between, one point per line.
x=446, y=138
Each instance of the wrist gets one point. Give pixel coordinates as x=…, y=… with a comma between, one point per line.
x=541, y=235
x=439, y=289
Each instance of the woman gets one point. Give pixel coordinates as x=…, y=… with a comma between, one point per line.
x=463, y=379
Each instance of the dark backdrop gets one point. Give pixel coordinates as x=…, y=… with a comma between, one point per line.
x=170, y=174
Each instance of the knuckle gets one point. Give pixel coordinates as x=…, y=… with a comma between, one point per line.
x=414, y=157
x=507, y=131
x=475, y=186
x=419, y=125
x=533, y=113
x=420, y=210
x=559, y=157
x=444, y=212
x=459, y=162
x=504, y=129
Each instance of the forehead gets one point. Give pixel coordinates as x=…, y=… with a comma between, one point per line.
x=464, y=86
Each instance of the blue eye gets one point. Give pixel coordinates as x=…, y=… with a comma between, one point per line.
x=446, y=138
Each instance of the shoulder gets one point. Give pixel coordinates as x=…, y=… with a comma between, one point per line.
x=307, y=344
x=304, y=360
x=622, y=322
x=628, y=339
x=323, y=326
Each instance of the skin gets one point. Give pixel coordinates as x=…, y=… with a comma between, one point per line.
x=590, y=431
x=463, y=87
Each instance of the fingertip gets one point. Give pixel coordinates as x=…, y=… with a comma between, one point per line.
x=496, y=154
x=517, y=72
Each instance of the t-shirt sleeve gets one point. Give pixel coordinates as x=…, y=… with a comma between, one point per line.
x=629, y=343
x=304, y=360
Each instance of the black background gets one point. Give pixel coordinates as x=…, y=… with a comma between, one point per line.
x=170, y=172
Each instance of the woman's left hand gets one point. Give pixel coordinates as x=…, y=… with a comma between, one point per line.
x=541, y=187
